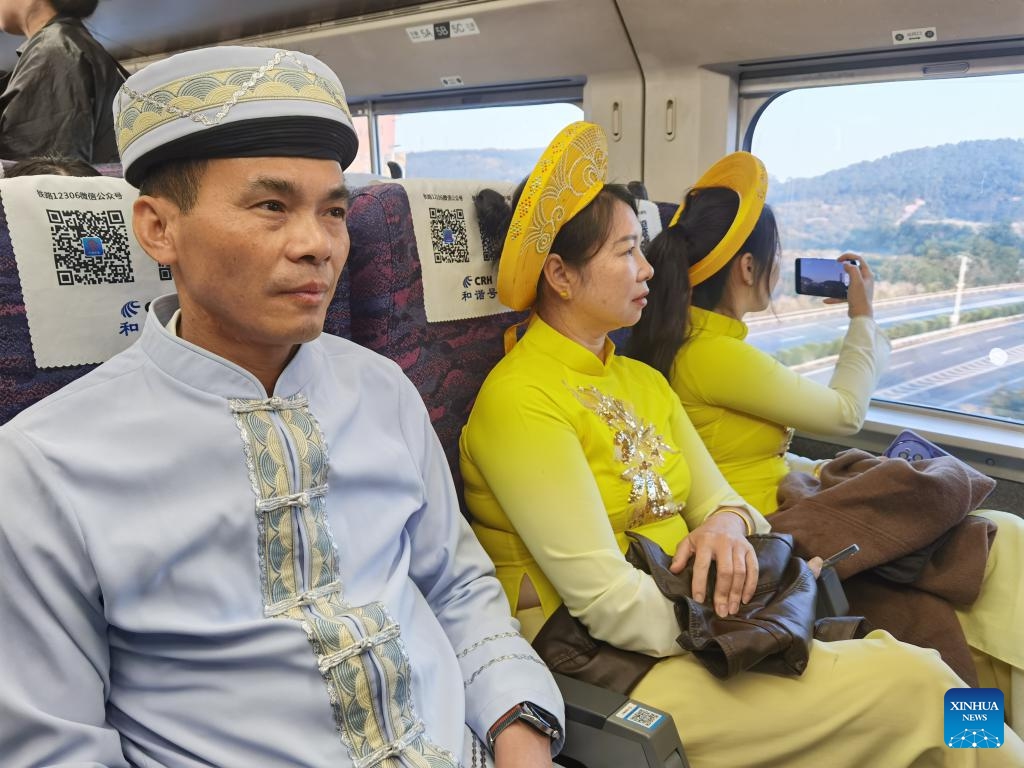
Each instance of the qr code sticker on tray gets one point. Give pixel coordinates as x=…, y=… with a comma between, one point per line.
x=90, y=247
x=641, y=716
x=448, y=235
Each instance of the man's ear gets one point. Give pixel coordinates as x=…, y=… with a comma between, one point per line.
x=557, y=275
x=155, y=222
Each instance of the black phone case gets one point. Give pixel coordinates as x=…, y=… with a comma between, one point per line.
x=912, y=447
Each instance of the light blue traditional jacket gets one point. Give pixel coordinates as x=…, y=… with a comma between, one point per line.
x=194, y=574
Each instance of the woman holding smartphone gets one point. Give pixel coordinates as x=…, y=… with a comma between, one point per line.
x=722, y=253
x=717, y=261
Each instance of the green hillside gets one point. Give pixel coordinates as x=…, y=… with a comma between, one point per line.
x=895, y=202
x=489, y=164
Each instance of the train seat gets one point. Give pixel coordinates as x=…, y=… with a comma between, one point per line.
x=44, y=266
x=448, y=360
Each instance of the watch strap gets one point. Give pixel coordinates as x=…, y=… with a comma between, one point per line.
x=537, y=718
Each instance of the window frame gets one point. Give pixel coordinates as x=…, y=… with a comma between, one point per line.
x=994, y=447
x=560, y=91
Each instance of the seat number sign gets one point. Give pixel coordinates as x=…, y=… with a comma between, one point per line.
x=443, y=30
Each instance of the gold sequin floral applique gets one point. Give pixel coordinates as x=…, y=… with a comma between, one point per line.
x=642, y=450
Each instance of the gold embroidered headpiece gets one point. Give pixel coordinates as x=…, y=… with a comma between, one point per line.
x=567, y=177
x=232, y=101
x=745, y=175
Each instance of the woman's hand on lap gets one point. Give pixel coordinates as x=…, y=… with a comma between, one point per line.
x=720, y=539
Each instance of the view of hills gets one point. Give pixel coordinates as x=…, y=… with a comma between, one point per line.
x=489, y=164
x=969, y=184
x=943, y=190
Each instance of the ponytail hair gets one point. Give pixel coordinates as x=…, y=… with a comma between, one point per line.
x=494, y=215
x=707, y=215
x=663, y=326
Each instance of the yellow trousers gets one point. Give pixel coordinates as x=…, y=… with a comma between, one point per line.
x=994, y=624
x=871, y=703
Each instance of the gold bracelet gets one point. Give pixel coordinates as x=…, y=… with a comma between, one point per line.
x=746, y=520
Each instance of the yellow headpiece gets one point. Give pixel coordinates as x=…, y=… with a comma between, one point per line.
x=745, y=175
x=567, y=177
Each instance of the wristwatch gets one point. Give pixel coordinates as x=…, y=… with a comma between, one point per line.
x=528, y=713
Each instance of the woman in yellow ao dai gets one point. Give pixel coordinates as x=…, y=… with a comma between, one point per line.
x=570, y=445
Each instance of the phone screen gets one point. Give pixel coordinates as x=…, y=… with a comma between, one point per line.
x=821, y=277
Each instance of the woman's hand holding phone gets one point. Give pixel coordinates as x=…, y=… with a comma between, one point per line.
x=861, y=291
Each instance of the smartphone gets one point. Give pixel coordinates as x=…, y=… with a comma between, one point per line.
x=822, y=277
x=912, y=447
x=832, y=599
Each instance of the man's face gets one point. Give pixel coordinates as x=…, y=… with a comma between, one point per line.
x=258, y=256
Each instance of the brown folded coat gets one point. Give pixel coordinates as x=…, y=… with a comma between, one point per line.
x=896, y=510
x=772, y=632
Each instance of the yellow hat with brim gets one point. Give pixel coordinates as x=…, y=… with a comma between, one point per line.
x=568, y=176
x=745, y=175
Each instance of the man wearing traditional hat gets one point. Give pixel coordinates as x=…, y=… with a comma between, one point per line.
x=237, y=543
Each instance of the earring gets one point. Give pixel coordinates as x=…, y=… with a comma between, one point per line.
x=564, y=294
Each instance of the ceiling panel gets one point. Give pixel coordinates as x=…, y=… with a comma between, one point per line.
x=669, y=34
x=130, y=28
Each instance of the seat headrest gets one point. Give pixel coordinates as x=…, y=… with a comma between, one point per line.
x=460, y=271
x=85, y=280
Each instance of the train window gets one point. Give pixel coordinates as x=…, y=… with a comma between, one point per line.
x=498, y=143
x=362, y=163
x=926, y=179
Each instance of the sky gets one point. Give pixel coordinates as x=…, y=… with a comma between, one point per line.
x=802, y=133
x=502, y=127
x=811, y=131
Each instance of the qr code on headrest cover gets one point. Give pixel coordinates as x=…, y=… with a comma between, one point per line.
x=90, y=247
x=448, y=235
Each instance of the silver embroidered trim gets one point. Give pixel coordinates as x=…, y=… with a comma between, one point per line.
x=392, y=748
x=488, y=639
x=332, y=660
x=499, y=659
x=256, y=76
x=301, y=499
x=305, y=598
x=445, y=753
x=269, y=404
x=414, y=737
x=261, y=523
x=327, y=452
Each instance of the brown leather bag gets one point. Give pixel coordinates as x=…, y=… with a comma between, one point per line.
x=772, y=633
x=566, y=646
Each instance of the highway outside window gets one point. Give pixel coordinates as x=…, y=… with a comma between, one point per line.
x=489, y=143
x=926, y=179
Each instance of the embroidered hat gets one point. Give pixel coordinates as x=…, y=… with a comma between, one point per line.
x=232, y=101
x=745, y=175
x=567, y=177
